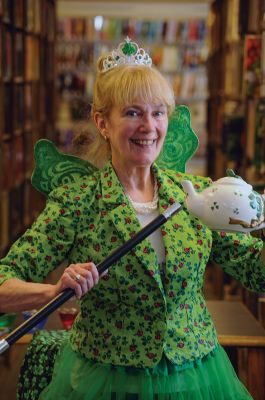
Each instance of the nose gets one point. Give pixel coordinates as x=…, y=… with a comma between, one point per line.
x=148, y=123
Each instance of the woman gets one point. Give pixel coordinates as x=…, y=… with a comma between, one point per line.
x=143, y=332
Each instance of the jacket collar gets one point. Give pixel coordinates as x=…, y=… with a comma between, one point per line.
x=113, y=193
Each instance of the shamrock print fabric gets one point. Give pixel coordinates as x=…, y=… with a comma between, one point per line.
x=134, y=315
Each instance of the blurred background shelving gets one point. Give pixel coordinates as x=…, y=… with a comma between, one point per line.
x=212, y=52
x=27, y=84
x=178, y=49
x=236, y=63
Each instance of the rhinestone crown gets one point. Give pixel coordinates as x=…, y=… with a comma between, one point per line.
x=128, y=53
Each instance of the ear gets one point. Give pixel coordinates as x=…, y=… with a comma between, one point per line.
x=100, y=123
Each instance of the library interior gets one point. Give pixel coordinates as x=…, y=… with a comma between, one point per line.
x=212, y=54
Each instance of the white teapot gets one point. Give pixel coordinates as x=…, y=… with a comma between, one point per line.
x=229, y=204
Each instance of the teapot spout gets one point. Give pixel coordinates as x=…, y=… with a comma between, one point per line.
x=194, y=200
x=188, y=188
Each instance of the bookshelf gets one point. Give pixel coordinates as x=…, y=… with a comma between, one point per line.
x=178, y=49
x=27, y=38
x=236, y=103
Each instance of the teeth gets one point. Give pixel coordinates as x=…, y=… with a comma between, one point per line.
x=144, y=142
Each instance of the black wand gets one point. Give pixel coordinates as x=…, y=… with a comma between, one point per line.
x=103, y=266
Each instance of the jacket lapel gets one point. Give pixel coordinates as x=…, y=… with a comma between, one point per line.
x=169, y=193
x=126, y=223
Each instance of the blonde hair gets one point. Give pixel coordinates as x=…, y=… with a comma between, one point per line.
x=120, y=86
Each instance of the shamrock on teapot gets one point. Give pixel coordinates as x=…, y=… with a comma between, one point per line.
x=229, y=204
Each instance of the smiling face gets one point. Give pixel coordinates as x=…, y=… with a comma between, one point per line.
x=131, y=105
x=136, y=133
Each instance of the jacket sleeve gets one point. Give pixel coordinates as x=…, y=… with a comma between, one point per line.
x=45, y=245
x=240, y=255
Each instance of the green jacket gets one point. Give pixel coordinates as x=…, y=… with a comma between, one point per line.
x=134, y=315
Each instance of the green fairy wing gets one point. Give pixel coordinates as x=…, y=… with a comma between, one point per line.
x=181, y=141
x=54, y=168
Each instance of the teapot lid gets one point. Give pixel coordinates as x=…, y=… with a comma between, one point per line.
x=229, y=180
x=233, y=179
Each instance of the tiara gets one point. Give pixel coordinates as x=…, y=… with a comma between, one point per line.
x=128, y=53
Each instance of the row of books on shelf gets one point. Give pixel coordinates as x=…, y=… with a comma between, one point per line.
x=24, y=104
x=113, y=29
x=255, y=140
x=167, y=58
x=17, y=160
x=242, y=64
x=17, y=156
x=187, y=85
x=229, y=20
x=24, y=56
x=198, y=111
x=18, y=205
x=242, y=137
x=18, y=208
x=34, y=16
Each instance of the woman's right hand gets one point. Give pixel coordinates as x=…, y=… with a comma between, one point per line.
x=79, y=277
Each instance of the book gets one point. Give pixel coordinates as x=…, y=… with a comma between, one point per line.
x=8, y=117
x=32, y=58
x=233, y=68
x=259, y=159
x=30, y=11
x=254, y=16
x=19, y=13
x=18, y=55
x=16, y=211
x=232, y=21
x=252, y=65
x=37, y=16
x=1, y=52
x=5, y=227
x=250, y=138
x=18, y=152
x=7, y=11
x=27, y=205
x=7, y=53
x=18, y=108
x=28, y=154
x=7, y=165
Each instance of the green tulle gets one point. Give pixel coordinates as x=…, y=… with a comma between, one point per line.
x=76, y=378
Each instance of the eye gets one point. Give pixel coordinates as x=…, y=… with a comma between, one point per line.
x=131, y=112
x=159, y=113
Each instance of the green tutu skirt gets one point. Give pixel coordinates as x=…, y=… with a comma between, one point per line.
x=77, y=378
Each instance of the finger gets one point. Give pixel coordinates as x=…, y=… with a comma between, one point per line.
x=87, y=275
x=91, y=267
x=90, y=280
x=82, y=282
x=70, y=282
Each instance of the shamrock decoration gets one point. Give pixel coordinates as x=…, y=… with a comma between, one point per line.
x=129, y=49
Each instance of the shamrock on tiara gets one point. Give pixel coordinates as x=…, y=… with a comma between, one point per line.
x=128, y=53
